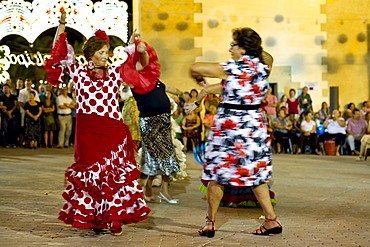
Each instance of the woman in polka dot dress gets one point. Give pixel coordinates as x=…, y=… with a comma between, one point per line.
x=102, y=190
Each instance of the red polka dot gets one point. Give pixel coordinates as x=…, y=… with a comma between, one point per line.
x=110, y=95
x=106, y=114
x=110, y=109
x=115, y=115
x=87, y=200
x=117, y=201
x=95, y=169
x=92, y=102
x=115, y=90
x=105, y=102
x=113, y=102
x=87, y=108
x=92, y=89
x=79, y=98
x=105, y=89
x=81, y=195
x=65, y=206
x=99, y=95
x=111, y=84
x=99, y=84
x=100, y=108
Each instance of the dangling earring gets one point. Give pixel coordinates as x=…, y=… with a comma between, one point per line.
x=91, y=64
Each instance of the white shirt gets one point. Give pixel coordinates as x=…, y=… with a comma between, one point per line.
x=307, y=126
x=61, y=100
x=335, y=128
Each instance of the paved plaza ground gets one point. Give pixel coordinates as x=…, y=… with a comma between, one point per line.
x=321, y=201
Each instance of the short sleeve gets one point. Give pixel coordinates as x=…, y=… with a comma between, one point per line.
x=26, y=106
x=228, y=66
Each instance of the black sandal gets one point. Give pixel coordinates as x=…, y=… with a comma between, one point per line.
x=264, y=231
x=208, y=233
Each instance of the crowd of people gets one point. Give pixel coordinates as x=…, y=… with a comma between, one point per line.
x=102, y=189
x=33, y=119
x=297, y=129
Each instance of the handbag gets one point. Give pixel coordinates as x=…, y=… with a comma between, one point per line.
x=49, y=119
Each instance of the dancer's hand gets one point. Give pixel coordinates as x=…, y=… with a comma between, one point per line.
x=134, y=36
x=141, y=48
x=63, y=15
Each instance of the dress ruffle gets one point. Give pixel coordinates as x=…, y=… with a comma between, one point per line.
x=145, y=80
x=104, y=193
x=57, y=54
x=60, y=55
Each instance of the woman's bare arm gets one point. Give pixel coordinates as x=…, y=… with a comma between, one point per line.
x=268, y=59
x=200, y=70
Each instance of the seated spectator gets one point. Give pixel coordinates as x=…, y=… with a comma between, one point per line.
x=208, y=121
x=356, y=129
x=308, y=131
x=323, y=113
x=365, y=108
x=336, y=129
x=269, y=124
x=283, y=103
x=295, y=132
x=348, y=113
x=282, y=126
x=190, y=126
x=365, y=140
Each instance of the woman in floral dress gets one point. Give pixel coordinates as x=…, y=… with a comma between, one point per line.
x=102, y=190
x=239, y=151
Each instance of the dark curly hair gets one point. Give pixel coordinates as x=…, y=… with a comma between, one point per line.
x=92, y=45
x=248, y=39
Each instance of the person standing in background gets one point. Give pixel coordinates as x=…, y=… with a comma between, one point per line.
x=270, y=104
x=293, y=103
x=23, y=97
x=64, y=106
x=8, y=107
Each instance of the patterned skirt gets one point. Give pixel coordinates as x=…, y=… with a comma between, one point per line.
x=239, y=149
x=158, y=150
x=32, y=129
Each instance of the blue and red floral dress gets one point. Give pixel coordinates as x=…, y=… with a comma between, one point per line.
x=238, y=153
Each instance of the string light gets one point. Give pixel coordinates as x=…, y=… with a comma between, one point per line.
x=30, y=20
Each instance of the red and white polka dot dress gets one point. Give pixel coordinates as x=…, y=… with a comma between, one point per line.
x=102, y=190
x=96, y=96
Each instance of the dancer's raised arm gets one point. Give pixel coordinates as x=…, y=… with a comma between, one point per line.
x=61, y=27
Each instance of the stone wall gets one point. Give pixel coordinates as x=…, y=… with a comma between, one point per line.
x=314, y=42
